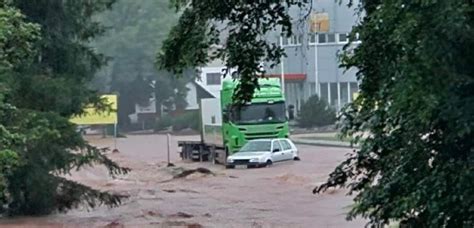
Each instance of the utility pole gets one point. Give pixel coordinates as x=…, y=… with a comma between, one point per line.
x=282, y=68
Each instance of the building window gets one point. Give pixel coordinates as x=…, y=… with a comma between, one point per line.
x=291, y=40
x=331, y=38
x=284, y=41
x=324, y=92
x=312, y=38
x=322, y=38
x=343, y=93
x=300, y=39
x=343, y=37
x=213, y=78
x=294, y=40
x=312, y=89
x=334, y=94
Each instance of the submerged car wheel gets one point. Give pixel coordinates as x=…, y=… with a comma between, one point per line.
x=297, y=158
x=268, y=163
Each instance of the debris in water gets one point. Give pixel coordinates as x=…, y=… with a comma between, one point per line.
x=180, y=190
x=114, y=224
x=180, y=172
x=153, y=213
x=188, y=172
x=181, y=215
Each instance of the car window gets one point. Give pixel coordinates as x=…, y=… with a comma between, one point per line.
x=276, y=145
x=285, y=144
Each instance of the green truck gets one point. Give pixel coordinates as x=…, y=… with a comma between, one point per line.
x=227, y=127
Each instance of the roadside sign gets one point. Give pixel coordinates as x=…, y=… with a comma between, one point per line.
x=93, y=117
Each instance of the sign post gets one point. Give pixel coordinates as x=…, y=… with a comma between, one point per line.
x=115, y=138
x=168, y=139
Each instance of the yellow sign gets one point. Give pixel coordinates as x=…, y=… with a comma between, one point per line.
x=319, y=22
x=92, y=117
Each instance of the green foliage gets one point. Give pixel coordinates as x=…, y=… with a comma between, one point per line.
x=137, y=29
x=9, y=161
x=164, y=122
x=196, y=40
x=316, y=112
x=16, y=37
x=416, y=105
x=65, y=63
x=43, y=82
x=189, y=119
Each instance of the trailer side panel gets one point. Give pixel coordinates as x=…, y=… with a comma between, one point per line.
x=211, y=117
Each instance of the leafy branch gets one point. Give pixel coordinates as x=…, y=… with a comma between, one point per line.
x=197, y=38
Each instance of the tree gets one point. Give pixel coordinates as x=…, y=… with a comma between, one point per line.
x=38, y=95
x=416, y=107
x=196, y=39
x=137, y=29
x=16, y=38
x=316, y=112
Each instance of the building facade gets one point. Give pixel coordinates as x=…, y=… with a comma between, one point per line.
x=312, y=64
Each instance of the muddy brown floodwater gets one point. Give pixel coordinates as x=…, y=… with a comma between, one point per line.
x=278, y=196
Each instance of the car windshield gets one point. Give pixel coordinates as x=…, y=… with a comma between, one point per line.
x=256, y=146
x=259, y=113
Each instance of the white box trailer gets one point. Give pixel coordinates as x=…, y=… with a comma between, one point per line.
x=211, y=134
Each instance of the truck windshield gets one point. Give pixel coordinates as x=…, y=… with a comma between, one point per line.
x=256, y=146
x=257, y=113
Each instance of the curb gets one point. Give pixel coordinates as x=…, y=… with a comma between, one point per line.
x=323, y=143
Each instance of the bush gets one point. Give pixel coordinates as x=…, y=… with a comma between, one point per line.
x=316, y=112
x=163, y=123
x=187, y=120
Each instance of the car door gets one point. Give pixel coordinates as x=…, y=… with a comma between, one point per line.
x=287, y=149
x=277, y=151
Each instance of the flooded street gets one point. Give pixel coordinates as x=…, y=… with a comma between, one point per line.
x=278, y=196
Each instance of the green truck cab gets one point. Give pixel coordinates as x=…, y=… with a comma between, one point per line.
x=263, y=117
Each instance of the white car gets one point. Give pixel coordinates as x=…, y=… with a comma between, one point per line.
x=263, y=152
